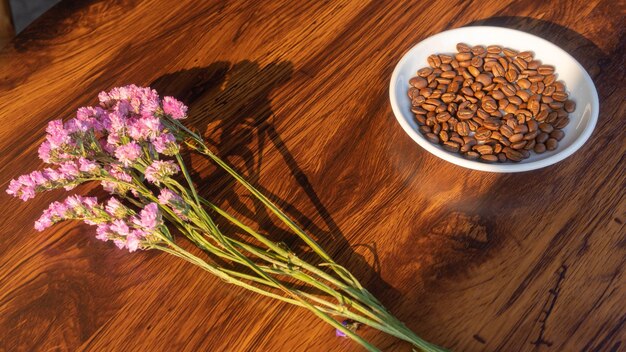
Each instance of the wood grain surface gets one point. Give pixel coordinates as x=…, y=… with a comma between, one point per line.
x=295, y=95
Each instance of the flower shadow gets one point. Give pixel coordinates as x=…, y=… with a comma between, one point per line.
x=230, y=105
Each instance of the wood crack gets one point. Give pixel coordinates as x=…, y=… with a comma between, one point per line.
x=548, y=306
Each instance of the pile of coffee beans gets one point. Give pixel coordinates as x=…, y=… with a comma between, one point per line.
x=491, y=104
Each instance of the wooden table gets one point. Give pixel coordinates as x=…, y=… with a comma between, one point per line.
x=295, y=95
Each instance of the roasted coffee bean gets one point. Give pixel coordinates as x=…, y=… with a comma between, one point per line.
x=508, y=90
x=530, y=144
x=420, y=119
x=493, y=125
x=425, y=72
x=496, y=94
x=456, y=139
x=494, y=49
x=518, y=145
x=484, y=79
x=516, y=138
x=535, y=78
x=482, y=133
x=526, y=55
x=483, y=149
x=477, y=61
x=447, y=75
x=525, y=153
x=497, y=69
x=451, y=146
x=418, y=100
x=436, y=128
x=418, y=110
x=561, y=122
x=534, y=105
x=531, y=135
x=520, y=129
x=524, y=95
x=489, y=104
x=429, y=107
x=542, y=137
x=549, y=79
x=418, y=82
x=532, y=126
x=512, y=154
x=479, y=50
x=557, y=134
x=471, y=155
x=445, y=59
x=489, y=158
x=545, y=127
x=463, y=48
x=551, y=144
x=524, y=83
x=515, y=100
x=434, y=61
x=448, y=97
x=425, y=129
x=509, y=52
x=549, y=90
x=473, y=71
x=545, y=69
x=559, y=96
x=511, y=108
x=462, y=128
x=463, y=56
x=569, y=106
x=506, y=131
x=432, y=138
x=497, y=148
x=559, y=86
x=465, y=114
x=443, y=135
x=539, y=148
x=542, y=116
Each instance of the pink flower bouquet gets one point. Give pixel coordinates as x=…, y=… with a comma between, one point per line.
x=131, y=145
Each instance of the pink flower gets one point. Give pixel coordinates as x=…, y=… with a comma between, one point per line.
x=160, y=170
x=150, y=102
x=39, y=178
x=166, y=197
x=57, y=135
x=166, y=144
x=76, y=125
x=120, y=174
x=102, y=232
x=144, y=128
x=43, y=222
x=149, y=217
x=115, y=208
x=134, y=240
x=87, y=166
x=128, y=153
x=44, y=151
x=175, y=202
x=69, y=170
x=120, y=227
x=173, y=107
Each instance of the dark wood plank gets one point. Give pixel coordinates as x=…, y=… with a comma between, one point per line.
x=295, y=95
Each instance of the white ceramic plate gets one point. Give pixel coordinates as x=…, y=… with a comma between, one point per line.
x=579, y=85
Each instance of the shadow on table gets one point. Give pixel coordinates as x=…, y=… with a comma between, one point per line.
x=230, y=104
